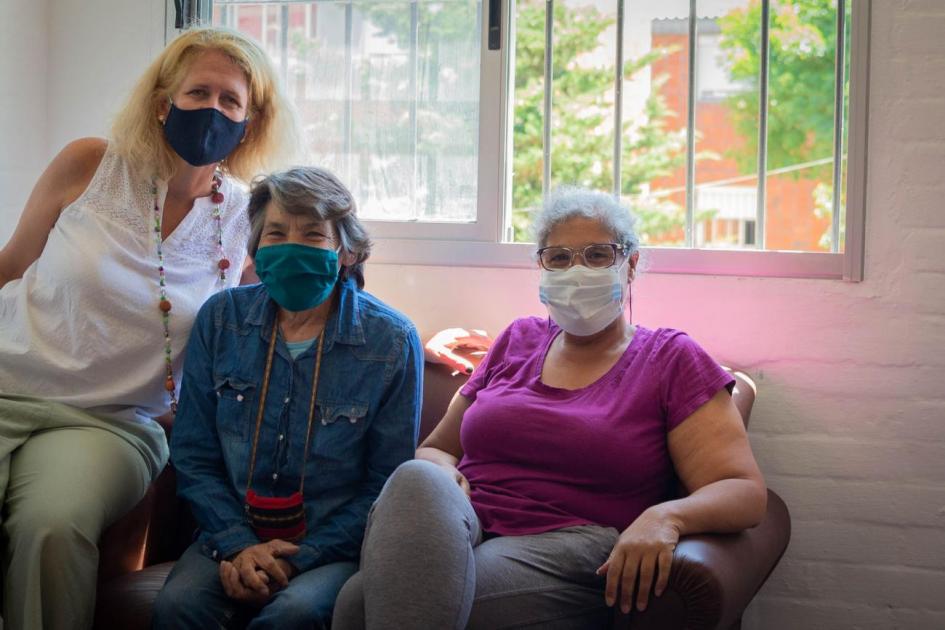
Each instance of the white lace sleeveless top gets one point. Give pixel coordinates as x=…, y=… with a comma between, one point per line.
x=82, y=326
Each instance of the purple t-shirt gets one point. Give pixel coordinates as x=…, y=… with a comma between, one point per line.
x=540, y=458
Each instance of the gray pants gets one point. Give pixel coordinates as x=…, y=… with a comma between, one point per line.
x=424, y=564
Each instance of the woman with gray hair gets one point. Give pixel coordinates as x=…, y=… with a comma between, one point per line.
x=545, y=494
x=300, y=396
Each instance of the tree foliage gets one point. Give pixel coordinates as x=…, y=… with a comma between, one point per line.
x=582, y=120
x=582, y=116
x=800, y=80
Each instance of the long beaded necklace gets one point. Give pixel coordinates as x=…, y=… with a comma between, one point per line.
x=280, y=517
x=164, y=304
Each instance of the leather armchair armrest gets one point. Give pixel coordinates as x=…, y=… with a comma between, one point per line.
x=714, y=576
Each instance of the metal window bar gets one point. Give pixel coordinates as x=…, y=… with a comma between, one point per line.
x=763, y=126
x=284, y=44
x=838, y=127
x=691, y=126
x=857, y=140
x=413, y=90
x=618, y=104
x=349, y=93
x=264, y=23
x=546, y=122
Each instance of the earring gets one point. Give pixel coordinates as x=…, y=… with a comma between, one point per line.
x=161, y=119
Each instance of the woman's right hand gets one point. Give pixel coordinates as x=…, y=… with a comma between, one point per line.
x=458, y=477
x=443, y=446
x=255, y=573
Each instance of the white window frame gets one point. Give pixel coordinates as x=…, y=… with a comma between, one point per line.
x=483, y=242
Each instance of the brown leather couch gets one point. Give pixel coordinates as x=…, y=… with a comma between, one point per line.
x=713, y=577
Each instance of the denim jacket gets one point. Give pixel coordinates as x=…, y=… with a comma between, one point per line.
x=365, y=425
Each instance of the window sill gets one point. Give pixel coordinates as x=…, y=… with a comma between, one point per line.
x=770, y=264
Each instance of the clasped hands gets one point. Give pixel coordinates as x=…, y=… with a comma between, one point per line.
x=255, y=574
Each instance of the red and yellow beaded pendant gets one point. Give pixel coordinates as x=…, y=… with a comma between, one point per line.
x=164, y=304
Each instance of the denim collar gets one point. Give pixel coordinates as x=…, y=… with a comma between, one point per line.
x=344, y=323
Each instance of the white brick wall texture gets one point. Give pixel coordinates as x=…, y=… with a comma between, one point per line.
x=849, y=425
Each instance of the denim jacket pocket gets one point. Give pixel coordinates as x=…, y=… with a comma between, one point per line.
x=235, y=406
x=337, y=441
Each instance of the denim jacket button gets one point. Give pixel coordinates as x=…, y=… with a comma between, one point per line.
x=239, y=397
x=275, y=476
x=352, y=420
x=286, y=401
x=281, y=437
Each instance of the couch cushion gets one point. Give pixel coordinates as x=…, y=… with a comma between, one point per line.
x=126, y=601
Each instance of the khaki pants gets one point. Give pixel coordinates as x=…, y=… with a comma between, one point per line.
x=65, y=475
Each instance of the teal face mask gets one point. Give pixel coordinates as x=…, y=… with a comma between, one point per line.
x=298, y=277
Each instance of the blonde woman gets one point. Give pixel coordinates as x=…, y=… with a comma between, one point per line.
x=119, y=244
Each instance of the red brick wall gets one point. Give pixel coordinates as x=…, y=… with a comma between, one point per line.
x=790, y=219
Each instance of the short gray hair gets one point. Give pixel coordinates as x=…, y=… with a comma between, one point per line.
x=569, y=202
x=317, y=193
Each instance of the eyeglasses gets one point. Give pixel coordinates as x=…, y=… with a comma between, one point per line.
x=596, y=256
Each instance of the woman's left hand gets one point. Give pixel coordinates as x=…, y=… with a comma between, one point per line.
x=235, y=589
x=459, y=348
x=643, y=551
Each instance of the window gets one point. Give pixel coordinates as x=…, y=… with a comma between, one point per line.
x=389, y=97
x=706, y=117
x=733, y=152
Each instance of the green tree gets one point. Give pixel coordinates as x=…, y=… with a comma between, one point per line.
x=582, y=120
x=802, y=50
x=800, y=79
x=582, y=117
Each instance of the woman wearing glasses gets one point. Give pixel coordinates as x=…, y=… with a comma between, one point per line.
x=543, y=496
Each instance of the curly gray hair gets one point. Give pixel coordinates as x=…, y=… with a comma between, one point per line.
x=314, y=192
x=568, y=202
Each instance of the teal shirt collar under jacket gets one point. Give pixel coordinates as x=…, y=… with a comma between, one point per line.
x=343, y=327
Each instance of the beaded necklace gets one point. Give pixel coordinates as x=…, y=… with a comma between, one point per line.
x=164, y=304
x=280, y=517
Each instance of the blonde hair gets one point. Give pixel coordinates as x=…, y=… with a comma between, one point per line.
x=271, y=137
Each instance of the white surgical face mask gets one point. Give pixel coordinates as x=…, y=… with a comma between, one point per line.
x=584, y=301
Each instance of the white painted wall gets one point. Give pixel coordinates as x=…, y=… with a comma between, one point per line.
x=849, y=426
x=97, y=50
x=65, y=68
x=23, y=137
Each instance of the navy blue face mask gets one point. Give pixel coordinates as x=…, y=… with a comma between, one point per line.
x=202, y=136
